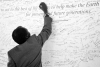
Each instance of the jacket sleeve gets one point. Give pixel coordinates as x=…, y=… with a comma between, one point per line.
x=46, y=31
x=10, y=62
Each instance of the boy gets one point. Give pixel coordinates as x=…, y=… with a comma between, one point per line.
x=28, y=52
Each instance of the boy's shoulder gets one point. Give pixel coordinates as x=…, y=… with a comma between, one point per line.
x=13, y=49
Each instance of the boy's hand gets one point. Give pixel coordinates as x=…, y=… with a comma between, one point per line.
x=43, y=7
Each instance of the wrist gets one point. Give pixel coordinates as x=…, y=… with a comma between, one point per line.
x=46, y=15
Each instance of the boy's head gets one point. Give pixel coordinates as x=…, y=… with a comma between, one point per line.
x=20, y=35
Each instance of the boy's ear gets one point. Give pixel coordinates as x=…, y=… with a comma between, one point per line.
x=28, y=35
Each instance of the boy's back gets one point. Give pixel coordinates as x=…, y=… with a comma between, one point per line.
x=27, y=53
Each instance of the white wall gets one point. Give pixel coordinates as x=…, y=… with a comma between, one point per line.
x=75, y=41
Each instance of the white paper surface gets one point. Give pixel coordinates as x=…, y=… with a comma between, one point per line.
x=75, y=38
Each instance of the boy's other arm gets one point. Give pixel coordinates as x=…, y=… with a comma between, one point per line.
x=46, y=31
x=10, y=62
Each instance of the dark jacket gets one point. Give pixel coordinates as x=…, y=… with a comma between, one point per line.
x=28, y=54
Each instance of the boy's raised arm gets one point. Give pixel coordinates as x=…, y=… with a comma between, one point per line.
x=46, y=31
x=47, y=28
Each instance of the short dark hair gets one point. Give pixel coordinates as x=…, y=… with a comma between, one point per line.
x=20, y=35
